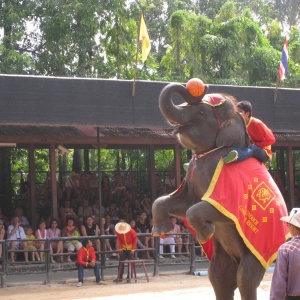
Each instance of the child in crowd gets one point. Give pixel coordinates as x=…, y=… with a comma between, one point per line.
x=31, y=244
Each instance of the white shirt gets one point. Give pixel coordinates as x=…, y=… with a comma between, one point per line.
x=19, y=234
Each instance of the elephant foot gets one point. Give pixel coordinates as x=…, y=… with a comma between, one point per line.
x=161, y=228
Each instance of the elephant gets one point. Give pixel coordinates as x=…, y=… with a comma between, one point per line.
x=210, y=126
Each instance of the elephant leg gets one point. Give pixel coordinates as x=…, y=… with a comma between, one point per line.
x=222, y=274
x=201, y=217
x=250, y=274
x=161, y=216
x=166, y=206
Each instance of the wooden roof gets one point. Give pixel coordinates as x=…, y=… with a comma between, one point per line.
x=68, y=110
x=84, y=135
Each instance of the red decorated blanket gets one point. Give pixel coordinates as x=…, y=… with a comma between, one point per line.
x=246, y=193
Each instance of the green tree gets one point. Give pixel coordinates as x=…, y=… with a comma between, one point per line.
x=289, y=12
x=67, y=42
x=15, y=46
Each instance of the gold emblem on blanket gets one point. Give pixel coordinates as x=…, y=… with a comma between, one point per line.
x=263, y=195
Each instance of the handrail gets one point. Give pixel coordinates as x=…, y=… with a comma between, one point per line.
x=7, y=269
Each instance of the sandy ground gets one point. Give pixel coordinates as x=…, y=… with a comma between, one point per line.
x=175, y=287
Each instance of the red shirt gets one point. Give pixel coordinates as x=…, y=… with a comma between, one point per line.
x=127, y=241
x=85, y=255
x=261, y=135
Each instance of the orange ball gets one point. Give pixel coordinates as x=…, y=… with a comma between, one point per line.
x=196, y=87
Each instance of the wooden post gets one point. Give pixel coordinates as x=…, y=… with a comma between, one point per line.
x=152, y=172
x=177, y=165
x=53, y=182
x=137, y=55
x=32, y=186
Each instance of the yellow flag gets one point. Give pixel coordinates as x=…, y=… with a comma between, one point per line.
x=144, y=37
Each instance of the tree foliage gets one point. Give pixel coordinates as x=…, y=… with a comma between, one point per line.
x=237, y=42
x=215, y=40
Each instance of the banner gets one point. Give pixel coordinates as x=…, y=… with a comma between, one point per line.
x=283, y=66
x=144, y=37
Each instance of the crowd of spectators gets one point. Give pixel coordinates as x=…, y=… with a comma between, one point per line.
x=79, y=215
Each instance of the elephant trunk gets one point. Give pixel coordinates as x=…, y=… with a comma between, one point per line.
x=175, y=114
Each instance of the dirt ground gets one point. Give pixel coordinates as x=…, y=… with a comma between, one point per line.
x=177, y=286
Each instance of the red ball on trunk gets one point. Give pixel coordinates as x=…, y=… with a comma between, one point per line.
x=196, y=87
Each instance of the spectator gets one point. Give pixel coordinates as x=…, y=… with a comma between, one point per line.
x=16, y=234
x=71, y=230
x=113, y=213
x=48, y=191
x=84, y=185
x=26, y=195
x=186, y=239
x=40, y=236
x=53, y=233
x=159, y=186
x=130, y=184
x=107, y=242
x=170, y=183
x=22, y=219
x=177, y=237
x=140, y=245
x=136, y=209
x=86, y=258
x=2, y=235
x=94, y=186
x=109, y=229
x=126, y=210
x=3, y=218
x=286, y=276
x=118, y=188
x=84, y=210
x=31, y=244
x=106, y=191
x=143, y=226
x=169, y=240
x=90, y=229
x=146, y=206
x=66, y=212
x=96, y=210
x=127, y=242
x=72, y=187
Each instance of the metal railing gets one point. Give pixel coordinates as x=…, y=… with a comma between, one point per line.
x=45, y=267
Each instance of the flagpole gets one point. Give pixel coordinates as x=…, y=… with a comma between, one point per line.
x=276, y=89
x=137, y=55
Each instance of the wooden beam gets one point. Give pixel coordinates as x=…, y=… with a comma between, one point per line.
x=177, y=165
x=32, y=186
x=291, y=178
x=152, y=172
x=44, y=140
x=53, y=182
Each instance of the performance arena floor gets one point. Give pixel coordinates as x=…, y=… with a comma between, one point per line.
x=171, y=286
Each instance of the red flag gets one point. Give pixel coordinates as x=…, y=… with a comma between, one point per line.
x=283, y=66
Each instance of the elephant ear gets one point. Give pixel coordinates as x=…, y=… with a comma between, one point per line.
x=233, y=132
